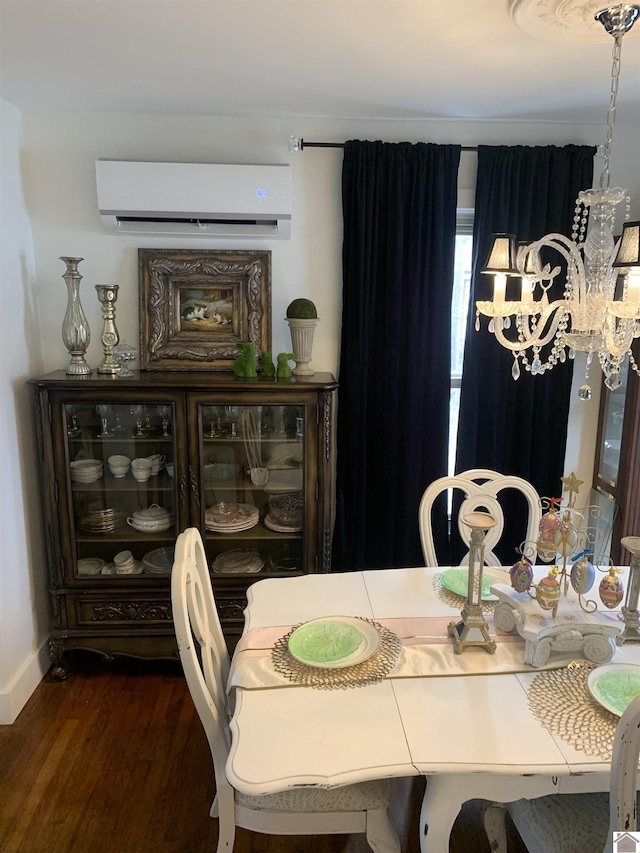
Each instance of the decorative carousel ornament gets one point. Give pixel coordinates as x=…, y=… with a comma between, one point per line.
x=521, y=573
x=611, y=590
x=553, y=615
x=583, y=573
x=549, y=522
x=548, y=591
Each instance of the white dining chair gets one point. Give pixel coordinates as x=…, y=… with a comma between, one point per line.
x=358, y=808
x=578, y=823
x=481, y=488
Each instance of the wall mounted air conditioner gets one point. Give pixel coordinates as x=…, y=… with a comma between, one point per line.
x=194, y=199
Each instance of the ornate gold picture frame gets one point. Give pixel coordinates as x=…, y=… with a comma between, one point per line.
x=197, y=305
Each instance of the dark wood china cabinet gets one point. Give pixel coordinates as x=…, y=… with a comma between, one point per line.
x=617, y=463
x=247, y=461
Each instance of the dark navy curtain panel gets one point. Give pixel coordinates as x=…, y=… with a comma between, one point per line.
x=399, y=207
x=517, y=426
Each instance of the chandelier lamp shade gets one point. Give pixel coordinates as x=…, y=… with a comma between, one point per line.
x=599, y=311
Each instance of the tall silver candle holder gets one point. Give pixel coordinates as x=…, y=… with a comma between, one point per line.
x=75, y=328
x=473, y=629
x=630, y=615
x=107, y=294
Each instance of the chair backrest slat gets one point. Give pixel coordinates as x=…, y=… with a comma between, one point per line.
x=201, y=645
x=481, y=488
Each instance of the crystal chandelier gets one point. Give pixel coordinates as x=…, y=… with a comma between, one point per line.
x=594, y=315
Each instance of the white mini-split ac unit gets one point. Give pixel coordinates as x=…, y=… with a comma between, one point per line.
x=194, y=199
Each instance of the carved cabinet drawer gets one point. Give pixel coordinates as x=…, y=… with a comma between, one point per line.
x=127, y=610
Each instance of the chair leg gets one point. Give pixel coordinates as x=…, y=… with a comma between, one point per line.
x=226, y=821
x=493, y=818
x=381, y=835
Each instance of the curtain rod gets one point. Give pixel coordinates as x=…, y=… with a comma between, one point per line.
x=299, y=144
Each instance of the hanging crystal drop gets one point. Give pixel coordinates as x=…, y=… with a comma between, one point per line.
x=477, y=322
x=536, y=366
x=492, y=325
x=562, y=356
x=515, y=370
x=613, y=382
x=584, y=392
x=572, y=353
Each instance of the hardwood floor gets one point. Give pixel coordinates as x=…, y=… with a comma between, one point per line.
x=114, y=760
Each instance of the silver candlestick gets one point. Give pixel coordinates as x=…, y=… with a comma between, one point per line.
x=107, y=294
x=630, y=615
x=473, y=629
x=75, y=328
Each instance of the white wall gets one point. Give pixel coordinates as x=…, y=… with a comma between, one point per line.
x=58, y=179
x=23, y=604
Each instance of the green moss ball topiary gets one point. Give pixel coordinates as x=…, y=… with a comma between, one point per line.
x=302, y=309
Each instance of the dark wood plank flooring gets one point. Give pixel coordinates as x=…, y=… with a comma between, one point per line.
x=114, y=760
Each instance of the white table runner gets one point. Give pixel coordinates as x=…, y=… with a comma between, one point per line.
x=427, y=651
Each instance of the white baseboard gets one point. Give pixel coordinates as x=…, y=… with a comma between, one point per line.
x=24, y=684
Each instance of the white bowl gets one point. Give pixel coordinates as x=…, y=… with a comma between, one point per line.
x=119, y=472
x=141, y=463
x=119, y=461
x=149, y=527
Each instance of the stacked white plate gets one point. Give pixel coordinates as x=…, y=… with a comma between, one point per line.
x=90, y=566
x=98, y=519
x=158, y=561
x=112, y=569
x=243, y=518
x=238, y=561
x=136, y=569
x=272, y=524
x=86, y=470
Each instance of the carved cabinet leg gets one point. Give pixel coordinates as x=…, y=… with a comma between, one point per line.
x=59, y=670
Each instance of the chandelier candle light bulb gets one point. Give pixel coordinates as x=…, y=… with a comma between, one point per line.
x=588, y=317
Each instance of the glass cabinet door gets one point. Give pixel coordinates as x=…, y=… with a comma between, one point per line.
x=119, y=465
x=252, y=487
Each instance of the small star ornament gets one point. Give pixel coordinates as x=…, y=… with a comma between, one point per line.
x=572, y=485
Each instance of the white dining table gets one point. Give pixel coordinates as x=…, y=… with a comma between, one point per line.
x=472, y=735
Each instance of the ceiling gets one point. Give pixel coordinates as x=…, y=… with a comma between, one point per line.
x=524, y=60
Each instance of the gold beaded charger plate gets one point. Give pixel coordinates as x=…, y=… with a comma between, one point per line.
x=336, y=652
x=615, y=686
x=561, y=701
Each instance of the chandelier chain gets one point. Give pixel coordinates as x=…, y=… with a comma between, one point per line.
x=611, y=113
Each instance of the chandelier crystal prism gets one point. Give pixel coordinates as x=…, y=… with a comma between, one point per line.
x=597, y=314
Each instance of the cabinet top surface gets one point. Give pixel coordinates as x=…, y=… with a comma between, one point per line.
x=183, y=381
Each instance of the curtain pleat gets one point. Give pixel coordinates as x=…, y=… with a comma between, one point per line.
x=399, y=209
